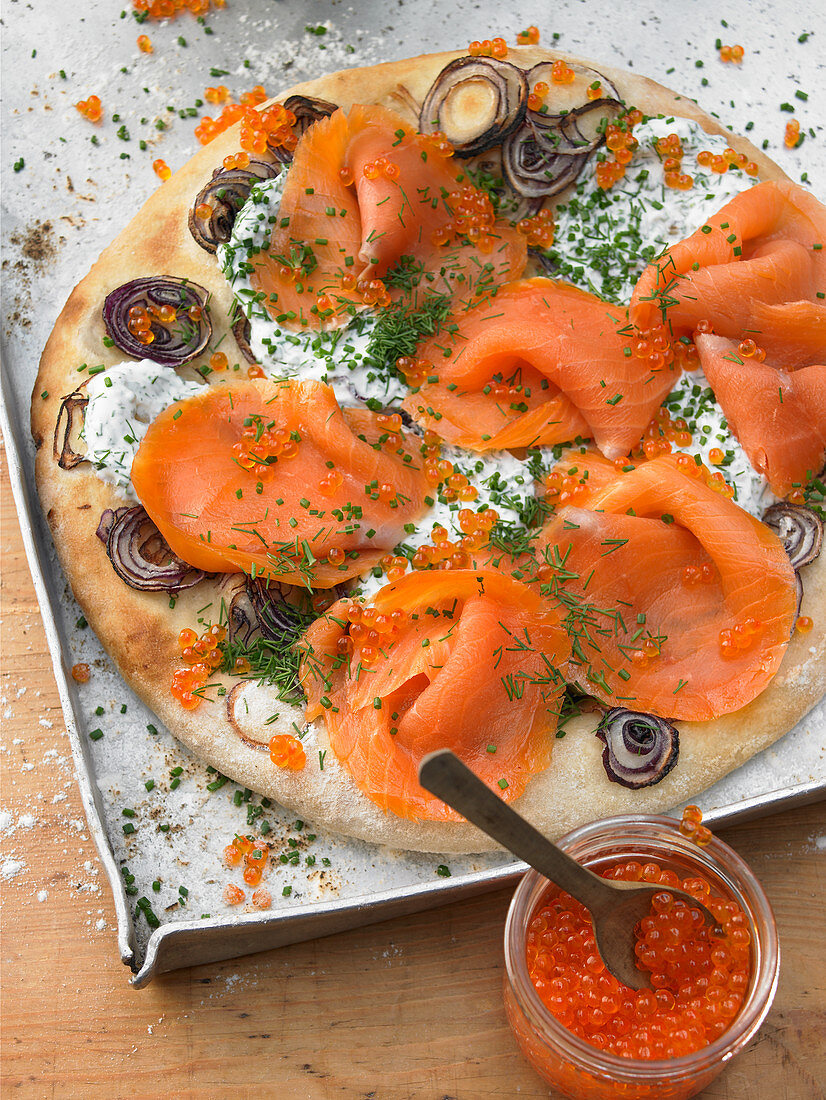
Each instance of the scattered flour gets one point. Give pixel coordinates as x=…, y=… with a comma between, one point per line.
x=11, y=868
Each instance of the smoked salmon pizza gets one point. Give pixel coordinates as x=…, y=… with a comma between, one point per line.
x=472, y=401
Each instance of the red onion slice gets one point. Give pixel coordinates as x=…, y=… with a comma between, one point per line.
x=71, y=408
x=799, y=528
x=172, y=344
x=567, y=97
x=242, y=332
x=548, y=152
x=225, y=194
x=140, y=555
x=307, y=110
x=475, y=102
x=535, y=168
x=278, y=619
x=242, y=623
x=234, y=700
x=640, y=749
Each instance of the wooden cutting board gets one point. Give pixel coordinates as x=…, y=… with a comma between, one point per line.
x=406, y=1010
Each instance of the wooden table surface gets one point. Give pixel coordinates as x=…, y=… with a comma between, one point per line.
x=407, y=1009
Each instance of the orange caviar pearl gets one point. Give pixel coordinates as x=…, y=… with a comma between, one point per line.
x=251, y=876
x=161, y=169
x=234, y=895
x=716, y=456
x=561, y=73
x=81, y=673
x=747, y=348
x=287, y=752
x=254, y=371
x=145, y=43
x=792, y=134
x=218, y=361
x=232, y=855
x=804, y=624
x=262, y=899
x=528, y=37
x=90, y=108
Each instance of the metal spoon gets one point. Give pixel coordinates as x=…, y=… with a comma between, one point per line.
x=615, y=907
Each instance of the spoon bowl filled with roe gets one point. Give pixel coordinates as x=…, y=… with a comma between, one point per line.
x=592, y=1037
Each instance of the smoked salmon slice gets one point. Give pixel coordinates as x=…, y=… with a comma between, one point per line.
x=766, y=247
x=276, y=480
x=779, y=417
x=566, y=347
x=792, y=334
x=678, y=602
x=363, y=190
x=520, y=414
x=472, y=666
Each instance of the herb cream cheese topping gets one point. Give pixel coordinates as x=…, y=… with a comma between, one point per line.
x=342, y=357
x=123, y=402
x=604, y=239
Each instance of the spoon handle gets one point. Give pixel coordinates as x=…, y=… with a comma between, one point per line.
x=443, y=774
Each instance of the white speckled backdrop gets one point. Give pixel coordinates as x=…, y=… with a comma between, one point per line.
x=68, y=186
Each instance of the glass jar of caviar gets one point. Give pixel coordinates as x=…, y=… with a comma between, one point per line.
x=595, y=1040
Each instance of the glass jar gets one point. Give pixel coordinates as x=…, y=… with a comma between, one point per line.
x=572, y=1065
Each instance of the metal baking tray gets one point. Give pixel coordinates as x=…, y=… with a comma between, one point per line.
x=70, y=198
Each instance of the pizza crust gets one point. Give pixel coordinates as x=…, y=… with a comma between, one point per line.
x=140, y=630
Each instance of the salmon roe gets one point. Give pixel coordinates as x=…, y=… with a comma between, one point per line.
x=145, y=43
x=169, y=9
x=255, y=858
x=804, y=624
x=81, y=673
x=699, y=976
x=202, y=656
x=490, y=47
x=260, y=130
x=262, y=445
x=473, y=217
x=731, y=53
x=287, y=752
x=528, y=37
x=367, y=633
x=161, y=169
x=792, y=134
x=619, y=140
x=91, y=108
x=234, y=895
x=538, y=230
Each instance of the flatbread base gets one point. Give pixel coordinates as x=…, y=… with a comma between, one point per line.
x=140, y=630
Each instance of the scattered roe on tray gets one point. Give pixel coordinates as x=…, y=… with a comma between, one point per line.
x=699, y=976
x=272, y=127
x=255, y=858
x=169, y=9
x=91, y=108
